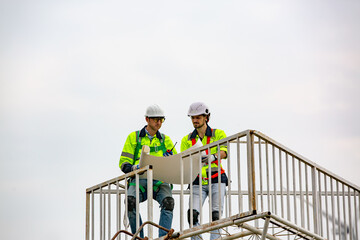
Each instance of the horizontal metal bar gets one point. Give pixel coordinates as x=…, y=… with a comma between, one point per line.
x=120, y=178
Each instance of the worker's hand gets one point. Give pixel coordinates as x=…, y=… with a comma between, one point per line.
x=135, y=167
x=204, y=159
x=167, y=153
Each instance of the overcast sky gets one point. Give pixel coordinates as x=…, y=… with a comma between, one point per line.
x=76, y=77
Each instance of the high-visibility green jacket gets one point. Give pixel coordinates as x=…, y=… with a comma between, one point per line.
x=211, y=135
x=133, y=145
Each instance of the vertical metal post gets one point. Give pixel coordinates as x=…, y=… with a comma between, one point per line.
x=126, y=204
x=200, y=190
x=344, y=209
x=287, y=188
x=191, y=197
x=338, y=207
x=274, y=178
x=261, y=174
x=307, y=196
x=87, y=225
x=301, y=197
x=221, y=207
x=150, y=200
x=251, y=171
x=229, y=182
x=326, y=207
x=239, y=175
x=314, y=194
x=320, y=204
x=294, y=189
x=281, y=185
x=332, y=206
x=356, y=210
x=350, y=213
x=101, y=215
x=267, y=174
x=137, y=201
x=182, y=194
x=92, y=215
x=209, y=184
x=109, y=212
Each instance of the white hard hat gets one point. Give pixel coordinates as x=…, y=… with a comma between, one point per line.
x=198, y=108
x=154, y=111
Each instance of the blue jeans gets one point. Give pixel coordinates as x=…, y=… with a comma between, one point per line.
x=162, y=192
x=215, y=206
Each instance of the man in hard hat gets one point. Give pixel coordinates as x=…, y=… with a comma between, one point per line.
x=160, y=145
x=200, y=116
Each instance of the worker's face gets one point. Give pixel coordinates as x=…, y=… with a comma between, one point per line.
x=154, y=123
x=198, y=121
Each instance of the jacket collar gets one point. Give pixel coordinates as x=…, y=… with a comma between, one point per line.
x=208, y=132
x=143, y=133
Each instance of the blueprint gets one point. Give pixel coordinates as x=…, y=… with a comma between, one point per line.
x=168, y=169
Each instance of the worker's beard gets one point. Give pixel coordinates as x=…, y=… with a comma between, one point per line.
x=198, y=126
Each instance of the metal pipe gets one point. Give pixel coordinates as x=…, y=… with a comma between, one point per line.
x=315, y=210
x=261, y=180
x=182, y=194
x=294, y=189
x=320, y=205
x=281, y=185
x=109, y=212
x=287, y=187
x=326, y=207
x=101, y=215
x=266, y=226
x=274, y=178
x=302, y=218
x=230, y=177
x=251, y=171
x=150, y=200
x=87, y=220
x=92, y=215
x=239, y=176
x=344, y=210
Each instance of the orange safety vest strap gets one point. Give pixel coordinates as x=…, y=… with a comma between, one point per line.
x=215, y=174
x=193, y=141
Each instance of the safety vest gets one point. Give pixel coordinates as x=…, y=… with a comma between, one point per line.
x=155, y=150
x=214, y=164
x=152, y=149
x=136, y=140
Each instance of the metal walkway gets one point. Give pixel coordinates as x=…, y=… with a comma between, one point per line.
x=273, y=193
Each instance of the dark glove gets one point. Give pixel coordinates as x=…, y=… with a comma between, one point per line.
x=167, y=153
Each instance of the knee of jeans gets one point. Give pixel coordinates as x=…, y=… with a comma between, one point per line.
x=215, y=215
x=168, y=203
x=195, y=216
x=131, y=203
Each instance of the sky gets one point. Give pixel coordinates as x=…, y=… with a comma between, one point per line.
x=76, y=77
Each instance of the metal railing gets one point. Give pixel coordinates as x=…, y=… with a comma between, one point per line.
x=264, y=176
